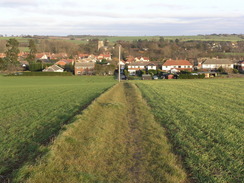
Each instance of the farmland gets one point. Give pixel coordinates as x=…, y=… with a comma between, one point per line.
x=116, y=139
x=113, y=39
x=137, y=131
x=34, y=110
x=204, y=122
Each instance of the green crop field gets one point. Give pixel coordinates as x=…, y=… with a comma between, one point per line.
x=33, y=111
x=160, y=131
x=115, y=139
x=113, y=39
x=204, y=121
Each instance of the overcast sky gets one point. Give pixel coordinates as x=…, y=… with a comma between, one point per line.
x=121, y=17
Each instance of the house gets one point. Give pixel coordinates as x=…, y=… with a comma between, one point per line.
x=240, y=66
x=106, y=56
x=141, y=59
x=83, y=68
x=214, y=64
x=56, y=56
x=174, y=66
x=2, y=55
x=23, y=54
x=151, y=66
x=63, y=62
x=42, y=56
x=122, y=64
x=129, y=59
x=53, y=68
x=87, y=60
x=136, y=66
x=82, y=55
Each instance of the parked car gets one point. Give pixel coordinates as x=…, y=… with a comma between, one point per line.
x=155, y=77
x=123, y=77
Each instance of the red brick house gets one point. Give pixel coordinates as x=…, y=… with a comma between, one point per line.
x=84, y=68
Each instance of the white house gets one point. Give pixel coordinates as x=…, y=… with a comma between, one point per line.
x=136, y=66
x=177, y=65
x=214, y=64
x=142, y=59
x=122, y=64
x=53, y=68
x=151, y=66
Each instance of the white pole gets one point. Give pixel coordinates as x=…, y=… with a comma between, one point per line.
x=119, y=62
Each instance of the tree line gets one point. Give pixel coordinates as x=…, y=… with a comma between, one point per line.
x=157, y=49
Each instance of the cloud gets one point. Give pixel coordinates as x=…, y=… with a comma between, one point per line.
x=17, y=3
x=166, y=5
x=180, y=26
x=114, y=17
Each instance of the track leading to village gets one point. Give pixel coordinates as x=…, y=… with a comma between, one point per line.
x=116, y=139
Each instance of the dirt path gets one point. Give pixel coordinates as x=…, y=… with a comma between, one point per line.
x=116, y=139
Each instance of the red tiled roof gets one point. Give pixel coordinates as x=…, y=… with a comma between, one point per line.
x=61, y=62
x=21, y=54
x=145, y=58
x=176, y=62
x=83, y=55
x=2, y=55
x=39, y=55
x=67, y=60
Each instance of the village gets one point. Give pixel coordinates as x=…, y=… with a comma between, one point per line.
x=132, y=67
x=121, y=91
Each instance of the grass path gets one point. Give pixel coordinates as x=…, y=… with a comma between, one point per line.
x=116, y=139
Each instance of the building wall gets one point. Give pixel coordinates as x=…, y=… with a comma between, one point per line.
x=83, y=71
x=151, y=67
x=178, y=67
x=216, y=66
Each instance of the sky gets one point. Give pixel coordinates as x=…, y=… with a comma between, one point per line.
x=121, y=17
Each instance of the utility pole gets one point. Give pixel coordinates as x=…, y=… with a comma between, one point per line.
x=119, y=62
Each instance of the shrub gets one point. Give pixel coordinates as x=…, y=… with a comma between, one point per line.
x=189, y=76
x=235, y=71
x=221, y=69
x=152, y=72
x=140, y=72
x=46, y=74
x=134, y=78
